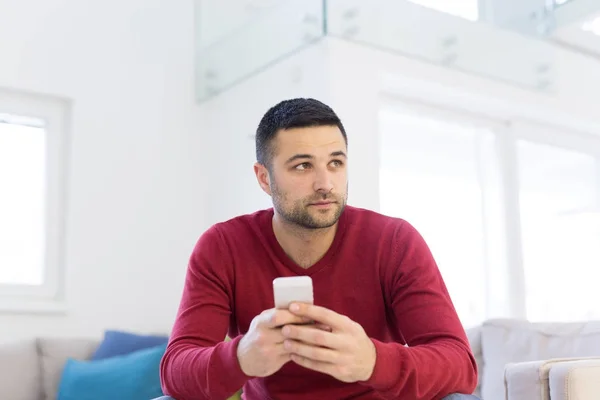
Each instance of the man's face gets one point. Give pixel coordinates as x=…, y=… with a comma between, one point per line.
x=308, y=176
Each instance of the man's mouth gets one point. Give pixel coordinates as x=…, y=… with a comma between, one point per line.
x=322, y=203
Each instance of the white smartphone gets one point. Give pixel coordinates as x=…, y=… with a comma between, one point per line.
x=291, y=289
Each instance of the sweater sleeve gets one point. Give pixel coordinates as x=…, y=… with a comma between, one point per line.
x=437, y=359
x=198, y=364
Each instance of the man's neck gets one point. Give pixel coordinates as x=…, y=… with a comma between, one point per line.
x=304, y=246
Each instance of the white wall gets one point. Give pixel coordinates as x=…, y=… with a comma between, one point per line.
x=150, y=169
x=137, y=178
x=231, y=120
x=356, y=80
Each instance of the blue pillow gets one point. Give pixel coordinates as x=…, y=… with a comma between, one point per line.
x=117, y=343
x=133, y=376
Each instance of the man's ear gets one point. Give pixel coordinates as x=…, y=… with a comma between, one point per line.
x=263, y=178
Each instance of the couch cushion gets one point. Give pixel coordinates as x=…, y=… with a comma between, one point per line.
x=134, y=376
x=117, y=343
x=530, y=380
x=20, y=371
x=54, y=353
x=507, y=341
x=575, y=380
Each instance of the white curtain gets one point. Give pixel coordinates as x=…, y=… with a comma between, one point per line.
x=507, y=216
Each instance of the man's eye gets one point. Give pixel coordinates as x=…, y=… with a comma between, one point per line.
x=303, y=166
x=337, y=163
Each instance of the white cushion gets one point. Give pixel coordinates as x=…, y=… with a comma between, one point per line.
x=575, y=380
x=19, y=371
x=510, y=341
x=54, y=354
x=530, y=380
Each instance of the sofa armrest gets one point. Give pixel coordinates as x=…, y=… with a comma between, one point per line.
x=532, y=380
x=575, y=380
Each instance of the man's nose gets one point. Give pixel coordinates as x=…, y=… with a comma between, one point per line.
x=323, y=181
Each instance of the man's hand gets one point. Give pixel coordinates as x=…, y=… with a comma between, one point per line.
x=261, y=352
x=346, y=352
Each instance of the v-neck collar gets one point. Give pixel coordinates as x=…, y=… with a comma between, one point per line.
x=324, y=262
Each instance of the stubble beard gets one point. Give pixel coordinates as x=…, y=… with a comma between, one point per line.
x=299, y=213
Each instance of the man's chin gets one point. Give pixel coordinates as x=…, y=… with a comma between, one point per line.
x=324, y=218
x=320, y=225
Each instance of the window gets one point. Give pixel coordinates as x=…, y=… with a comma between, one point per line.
x=32, y=185
x=442, y=177
x=559, y=190
x=22, y=181
x=511, y=212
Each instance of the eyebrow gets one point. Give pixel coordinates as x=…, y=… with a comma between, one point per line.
x=311, y=157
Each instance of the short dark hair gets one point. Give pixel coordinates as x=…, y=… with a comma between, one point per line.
x=292, y=113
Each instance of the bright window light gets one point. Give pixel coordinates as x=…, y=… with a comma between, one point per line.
x=33, y=166
x=468, y=9
x=22, y=186
x=592, y=26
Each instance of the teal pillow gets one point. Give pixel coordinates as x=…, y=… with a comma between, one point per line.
x=132, y=376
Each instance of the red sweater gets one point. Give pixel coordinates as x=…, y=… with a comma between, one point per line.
x=378, y=271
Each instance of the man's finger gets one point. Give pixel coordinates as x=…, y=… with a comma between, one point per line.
x=322, y=327
x=312, y=336
x=277, y=318
x=319, y=366
x=321, y=315
x=281, y=351
x=312, y=352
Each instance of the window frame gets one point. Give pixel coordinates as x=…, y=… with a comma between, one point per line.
x=563, y=137
x=55, y=112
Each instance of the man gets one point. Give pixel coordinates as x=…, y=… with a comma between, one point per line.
x=384, y=325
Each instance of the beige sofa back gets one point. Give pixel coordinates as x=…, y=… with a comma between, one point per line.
x=20, y=371
x=31, y=369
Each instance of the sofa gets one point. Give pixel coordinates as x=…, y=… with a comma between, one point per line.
x=553, y=379
x=517, y=360
x=34, y=369
x=31, y=369
x=521, y=360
